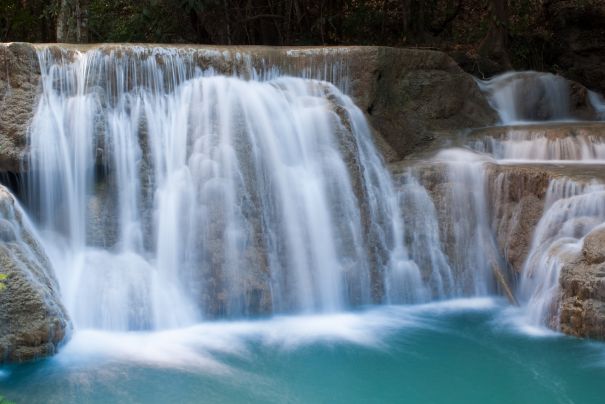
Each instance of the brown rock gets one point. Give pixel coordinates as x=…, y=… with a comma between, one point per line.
x=33, y=322
x=593, y=248
x=411, y=96
x=582, y=303
x=19, y=82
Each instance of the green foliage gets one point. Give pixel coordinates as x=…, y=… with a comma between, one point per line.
x=26, y=20
x=459, y=25
x=3, y=277
x=141, y=21
x=5, y=401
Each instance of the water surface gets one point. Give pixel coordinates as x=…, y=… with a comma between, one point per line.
x=461, y=351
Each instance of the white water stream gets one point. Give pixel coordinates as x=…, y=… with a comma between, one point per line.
x=167, y=193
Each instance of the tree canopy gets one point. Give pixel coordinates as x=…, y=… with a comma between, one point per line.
x=512, y=32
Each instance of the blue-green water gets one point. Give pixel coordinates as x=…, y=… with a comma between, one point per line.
x=464, y=351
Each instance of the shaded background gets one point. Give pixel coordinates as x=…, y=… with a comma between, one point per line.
x=484, y=36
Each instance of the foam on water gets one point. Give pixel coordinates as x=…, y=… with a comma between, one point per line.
x=203, y=345
x=355, y=356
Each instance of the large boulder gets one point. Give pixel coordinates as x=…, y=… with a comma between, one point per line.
x=412, y=96
x=582, y=282
x=33, y=322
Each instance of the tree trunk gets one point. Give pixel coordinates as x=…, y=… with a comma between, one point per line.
x=72, y=21
x=414, y=29
x=495, y=44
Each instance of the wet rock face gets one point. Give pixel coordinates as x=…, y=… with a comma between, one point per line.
x=582, y=307
x=411, y=96
x=33, y=322
x=593, y=248
x=19, y=83
x=517, y=203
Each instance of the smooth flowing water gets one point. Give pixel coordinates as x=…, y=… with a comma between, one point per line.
x=465, y=351
x=238, y=238
x=168, y=194
x=528, y=96
x=524, y=144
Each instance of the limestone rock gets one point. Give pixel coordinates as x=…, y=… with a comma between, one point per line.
x=19, y=83
x=582, y=303
x=593, y=248
x=517, y=202
x=33, y=322
x=411, y=96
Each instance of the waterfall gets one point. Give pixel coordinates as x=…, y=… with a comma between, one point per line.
x=464, y=208
x=598, y=103
x=527, y=143
x=571, y=211
x=528, y=96
x=169, y=188
x=448, y=224
x=166, y=193
x=424, y=239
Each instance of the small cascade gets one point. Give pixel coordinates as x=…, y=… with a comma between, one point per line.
x=598, y=103
x=167, y=193
x=528, y=96
x=425, y=246
x=469, y=212
x=544, y=143
x=571, y=211
x=448, y=225
x=470, y=242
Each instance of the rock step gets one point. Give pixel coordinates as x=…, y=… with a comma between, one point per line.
x=550, y=130
x=578, y=171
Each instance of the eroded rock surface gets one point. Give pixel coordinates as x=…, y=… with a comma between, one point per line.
x=33, y=322
x=582, y=306
x=19, y=83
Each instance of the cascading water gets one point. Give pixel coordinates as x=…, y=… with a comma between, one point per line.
x=571, y=211
x=598, y=103
x=528, y=96
x=450, y=190
x=166, y=193
x=547, y=144
x=423, y=237
x=448, y=225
